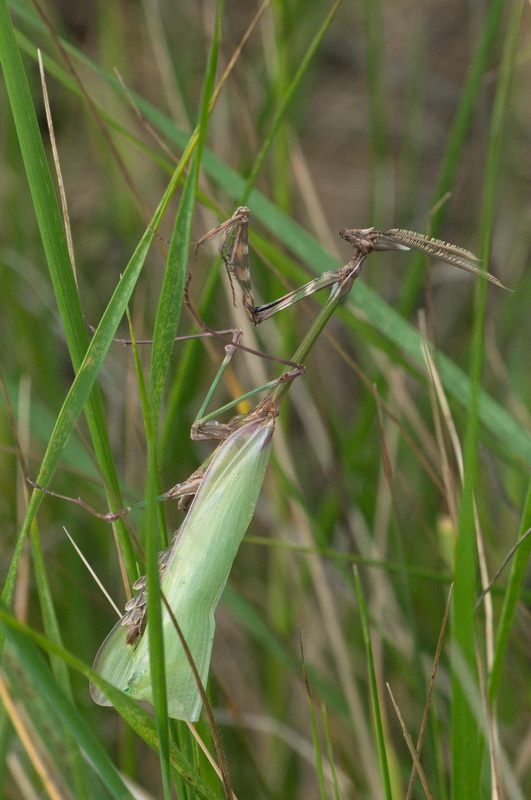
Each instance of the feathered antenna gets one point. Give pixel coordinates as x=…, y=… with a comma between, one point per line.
x=399, y=239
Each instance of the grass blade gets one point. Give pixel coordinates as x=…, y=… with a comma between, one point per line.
x=166, y=323
x=287, y=98
x=380, y=736
x=35, y=665
x=466, y=753
x=24, y=639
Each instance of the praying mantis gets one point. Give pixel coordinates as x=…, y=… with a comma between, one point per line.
x=194, y=571
x=220, y=497
x=234, y=251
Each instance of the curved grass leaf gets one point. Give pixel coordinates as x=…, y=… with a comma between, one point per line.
x=24, y=640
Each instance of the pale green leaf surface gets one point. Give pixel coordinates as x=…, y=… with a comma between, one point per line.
x=197, y=572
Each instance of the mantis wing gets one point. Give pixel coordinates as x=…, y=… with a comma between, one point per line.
x=198, y=568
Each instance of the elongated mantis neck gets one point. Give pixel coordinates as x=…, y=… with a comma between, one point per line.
x=347, y=276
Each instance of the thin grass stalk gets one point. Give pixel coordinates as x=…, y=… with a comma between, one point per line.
x=507, y=66
x=512, y=596
x=315, y=735
x=375, y=697
x=281, y=182
x=166, y=323
x=286, y=102
x=380, y=194
x=329, y=751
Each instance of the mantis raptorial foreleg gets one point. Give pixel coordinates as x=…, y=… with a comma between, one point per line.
x=234, y=252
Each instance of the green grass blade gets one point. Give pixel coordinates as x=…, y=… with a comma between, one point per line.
x=380, y=736
x=170, y=301
x=80, y=390
x=54, y=243
x=166, y=322
x=374, y=51
x=315, y=736
x=24, y=639
x=465, y=736
x=512, y=596
x=35, y=665
x=330, y=751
